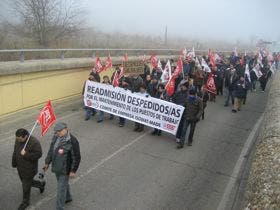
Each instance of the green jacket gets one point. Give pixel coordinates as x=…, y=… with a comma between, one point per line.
x=193, y=109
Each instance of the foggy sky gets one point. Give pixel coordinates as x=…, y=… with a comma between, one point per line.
x=214, y=19
x=218, y=19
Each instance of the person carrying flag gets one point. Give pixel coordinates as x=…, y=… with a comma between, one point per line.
x=26, y=162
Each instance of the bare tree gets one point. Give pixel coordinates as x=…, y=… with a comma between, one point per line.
x=48, y=20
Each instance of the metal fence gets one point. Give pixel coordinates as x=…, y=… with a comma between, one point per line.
x=33, y=54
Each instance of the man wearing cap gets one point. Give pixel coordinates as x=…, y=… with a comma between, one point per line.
x=64, y=155
x=192, y=114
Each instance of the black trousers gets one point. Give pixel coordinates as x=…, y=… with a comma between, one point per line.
x=263, y=82
x=27, y=183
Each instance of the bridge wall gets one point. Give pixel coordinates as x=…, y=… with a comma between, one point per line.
x=31, y=83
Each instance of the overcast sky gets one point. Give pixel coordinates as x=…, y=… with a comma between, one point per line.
x=226, y=19
x=218, y=19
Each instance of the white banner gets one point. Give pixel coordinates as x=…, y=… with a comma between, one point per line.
x=149, y=111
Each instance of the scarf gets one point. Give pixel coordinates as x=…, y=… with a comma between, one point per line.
x=192, y=99
x=61, y=140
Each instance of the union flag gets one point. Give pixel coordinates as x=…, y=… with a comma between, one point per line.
x=46, y=118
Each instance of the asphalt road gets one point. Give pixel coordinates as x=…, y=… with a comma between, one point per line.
x=121, y=169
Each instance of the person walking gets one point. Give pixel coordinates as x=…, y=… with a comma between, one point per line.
x=25, y=160
x=142, y=92
x=230, y=79
x=239, y=94
x=180, y=98
x=64, y=156
x=101, y=113
x=88, y=110
x=192, y=114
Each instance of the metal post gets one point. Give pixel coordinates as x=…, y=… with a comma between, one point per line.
x=62, y=55
x=21, y=56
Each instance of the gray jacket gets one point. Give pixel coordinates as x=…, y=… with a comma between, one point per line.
x=64, y=155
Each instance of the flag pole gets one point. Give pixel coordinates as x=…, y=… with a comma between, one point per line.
x=34, y=126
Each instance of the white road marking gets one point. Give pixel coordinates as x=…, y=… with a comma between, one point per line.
x=90, y=170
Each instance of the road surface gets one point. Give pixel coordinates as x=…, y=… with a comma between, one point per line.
x=122, y=169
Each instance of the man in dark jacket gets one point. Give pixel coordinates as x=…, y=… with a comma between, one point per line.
x=239, y=94
x=230, y=80
x=64, y=155
x=26, y=162
x=180, y=98
x=95, y=74
x=192, y=114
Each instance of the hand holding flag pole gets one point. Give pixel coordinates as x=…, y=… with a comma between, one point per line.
x=33, y=128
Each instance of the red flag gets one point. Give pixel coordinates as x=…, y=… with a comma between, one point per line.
x=212, y=59
x=121, y=72
x=179, y=68
x=98, y=65
x=184, y=53
x=116, y=79
x=210, y=85
x=46, y=118
x=125, y=57
x=154, y=61
x=109, y=63
x=170, y=86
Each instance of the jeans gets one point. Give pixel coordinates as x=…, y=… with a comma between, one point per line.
x=101, y=116
x=180, y=128
x=229, y=94
x=253, y=85
x=89, y=112
x=63, y=191
x=186, y=124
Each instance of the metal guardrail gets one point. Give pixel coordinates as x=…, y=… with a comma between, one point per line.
x=93, y=50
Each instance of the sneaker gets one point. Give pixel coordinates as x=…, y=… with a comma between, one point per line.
x=99, y=121
x=140, y=129
x=154, y=133
x=180, y=146
x=136, y=129
x=69, y=200
x=189, y=143
x=121, y=125
x=233, y=111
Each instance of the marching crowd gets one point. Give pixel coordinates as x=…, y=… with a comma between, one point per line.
x=232, y=76
x=197, y=82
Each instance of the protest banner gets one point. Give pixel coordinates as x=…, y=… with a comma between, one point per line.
x=149, y=111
